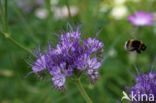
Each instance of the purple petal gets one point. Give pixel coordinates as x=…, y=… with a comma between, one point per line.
x=93, y=63
x=59, y=80
x=40, y=64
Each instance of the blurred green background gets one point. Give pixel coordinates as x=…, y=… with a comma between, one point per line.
x=34, y=22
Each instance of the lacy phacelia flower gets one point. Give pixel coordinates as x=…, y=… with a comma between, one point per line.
x=72, y=56
x=144, y=88
x=141, y=19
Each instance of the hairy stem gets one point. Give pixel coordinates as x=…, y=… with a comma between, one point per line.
x=7, y=36
x=83, y=92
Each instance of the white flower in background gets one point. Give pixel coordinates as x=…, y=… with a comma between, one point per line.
x=119, y=12
x=41, y=13
x=54, y=2
x=61, y=13
x=118, y=2
x=112, y=52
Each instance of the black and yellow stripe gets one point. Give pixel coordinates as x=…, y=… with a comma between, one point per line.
x=130, y=43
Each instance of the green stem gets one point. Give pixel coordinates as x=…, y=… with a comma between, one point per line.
x=49, y=18
x=68, y=7
x=138, y=32
x=7, y=36
x=6, y=15
x=1, y=14
x=83, y=92
x=1, y=8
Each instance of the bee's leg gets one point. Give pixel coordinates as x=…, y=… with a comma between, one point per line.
x=138, y=51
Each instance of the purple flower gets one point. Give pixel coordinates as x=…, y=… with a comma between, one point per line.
x=145, y=84
x=93, y=75
x=93, y=63
x=40, y=64
x=81, y=62
x=59, y=80
x=93, y=69
x=72, y=56
x=55, y=70
x=68, y=36
x=141, y=18
x=92, y=45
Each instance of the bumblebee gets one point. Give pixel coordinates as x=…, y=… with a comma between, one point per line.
x=135, y=45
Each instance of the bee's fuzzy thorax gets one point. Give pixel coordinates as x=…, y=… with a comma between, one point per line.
x=135, y=45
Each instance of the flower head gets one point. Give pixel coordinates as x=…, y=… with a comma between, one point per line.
x=141, y=18
x=71, y=56
x=144, y=84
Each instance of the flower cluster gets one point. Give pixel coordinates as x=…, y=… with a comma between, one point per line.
x=71, y=56
x=141, y=18
x=144, y=84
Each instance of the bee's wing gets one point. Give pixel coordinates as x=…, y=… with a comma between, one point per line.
x=132, y=33
x=131, y=49
x=132, y=36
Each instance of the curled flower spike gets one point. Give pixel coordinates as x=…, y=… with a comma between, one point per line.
x=39, y=64
x=93, y=63
x=93, y=71
x=93, y=44
x=141, y=18
x=59, y=80
x=81, y=62
x=72, y=56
